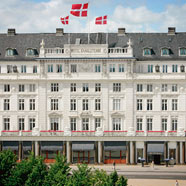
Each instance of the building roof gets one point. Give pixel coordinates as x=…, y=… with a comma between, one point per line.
x=155, y=41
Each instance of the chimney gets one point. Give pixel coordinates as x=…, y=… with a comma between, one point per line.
x=171, y=30
x=59, y=31
x=11, y=32
x=121, y=31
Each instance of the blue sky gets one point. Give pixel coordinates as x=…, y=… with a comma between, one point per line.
x=134, y=15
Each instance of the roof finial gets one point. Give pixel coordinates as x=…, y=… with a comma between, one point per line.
x=42, y=43
x=129, y=43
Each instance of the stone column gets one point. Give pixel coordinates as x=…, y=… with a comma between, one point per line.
x=127, y=152
x=69, y=151
x=131, y=153
x=100, y=152
x=20, y=151
x=177, y=152
x=165, y=150
x=37, y=148
x=96, y=153
x=134, y=151
x=33, y=148
x=64, y=149
x=181, y=153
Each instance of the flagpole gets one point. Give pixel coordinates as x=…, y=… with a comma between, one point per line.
x=88, y=24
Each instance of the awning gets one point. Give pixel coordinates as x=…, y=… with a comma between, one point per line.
x=12, y=145
x=52, y=145
x=155, y=148
x=114, y=145
x=80, y=146
x=27, y=145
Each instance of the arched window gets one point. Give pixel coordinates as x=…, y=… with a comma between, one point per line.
x=147, y=52
x=31, y=52
x=165, y=52
x=182, y=51
x=10, y=52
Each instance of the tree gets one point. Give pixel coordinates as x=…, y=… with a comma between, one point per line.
x=37, y=176
x=121, y=181
x=58, y=173
x=113, y=178
x=7, y=163
x=81, y=177
x=21, y=171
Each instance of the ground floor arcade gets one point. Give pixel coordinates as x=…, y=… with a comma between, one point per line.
x=102, y=152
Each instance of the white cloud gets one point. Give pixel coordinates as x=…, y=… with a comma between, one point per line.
x=29, y=16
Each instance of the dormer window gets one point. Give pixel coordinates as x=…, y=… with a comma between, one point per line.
x=165, y=52
x=147, y=52
x=10, y=52
x=31, y=52
x=182, y=51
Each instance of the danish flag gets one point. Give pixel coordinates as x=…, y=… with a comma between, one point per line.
x=101, y=20
x=79, y=10
x=64, y=20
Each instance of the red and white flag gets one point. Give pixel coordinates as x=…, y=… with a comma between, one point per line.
x=79, y=10
x=65, y=20
x=101, y=20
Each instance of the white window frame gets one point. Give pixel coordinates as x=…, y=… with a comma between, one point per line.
x=174, y=124
x=32, y=123
x=116, y=124
x=85, y=104
x=32, y=104
x=149, y=104
x=21, y=104
x=164, y=104
x=73, y=87
x=97, y=87
x=97, y=68
x=73, y=124
x=149, y=88
x=32, y=87
x=21, y=88
x=164, y=122
x=73, y=68
x=97, y=123
x=174, y=88
x=139, y=124
x=73, y=104
x=54, y=123
x=54, y=87
x=85, y=87
x=116, y=104
x=174, y=104
x=21, y=122
x=149, y=124
x=139, y=87
x=97, y=104
x=6, y=104
x=121, y=68
x=6, y=87
x=6, y=123
x=164, y=87
x=139, y=104
x=54, y=104
x=116, y=87
x=85, y=124
x=112, y=68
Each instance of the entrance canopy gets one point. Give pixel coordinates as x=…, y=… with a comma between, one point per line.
x=52, y=145
x=155, y=148
x=114, y=145
x=12, y=145
x=82, y=146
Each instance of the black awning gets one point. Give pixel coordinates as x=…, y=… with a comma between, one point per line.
x=82, y=146
x=27, y=145
x=114, y=145
x=12, y=145
x=52, y=145
x=155, y=148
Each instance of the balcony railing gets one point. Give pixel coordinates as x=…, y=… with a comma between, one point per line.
x=83, y=133
x=115, y=133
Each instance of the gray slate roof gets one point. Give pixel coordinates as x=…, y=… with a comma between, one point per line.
x=140, y=40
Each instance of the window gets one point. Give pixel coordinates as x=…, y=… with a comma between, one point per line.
x=164, y=104
x=6, y=88
x=165, y=52
x=139, y=104
x=73, y=124
x=32, y=123
x=174, y=88
x=10, y=52
x=59, y=68
x=149, y=124
x=85, y=104
x=164, y=88
x=73, y=68
x=97, y=68
x=164, y=124
x=73, y=104
x=165, y=68
x=121, y=67
x=85, y=87
x=23, y=68
x=21, y=123
x=54, y=124
x=149, y=104
x=97, y=104
x=21, y=88
x=21, y=104
x=174, y=124
x=182, y=51
x=34, y=69
x=174, y=68
x=73, y=87
x=54, y=87
x=6, y=122
x=32, y=87
x=54, y=104
x=6, y=104
x=97, y=123
x=149, y=87
x=174, y=104
x=150, y=68
x=116, y=104
x=98, y=87
x=116, y=124
x=116, y=87
x=147, y=52
x=31, y=52
x=139, y=124
x=139, y=88
x=112, y=68
x=85, y=124
x=50, y=68
x=9, y=68
x=32, y=104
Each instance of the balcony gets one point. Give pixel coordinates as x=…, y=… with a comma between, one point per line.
x=51, y=133
x=115, y=133
x=83, y=133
